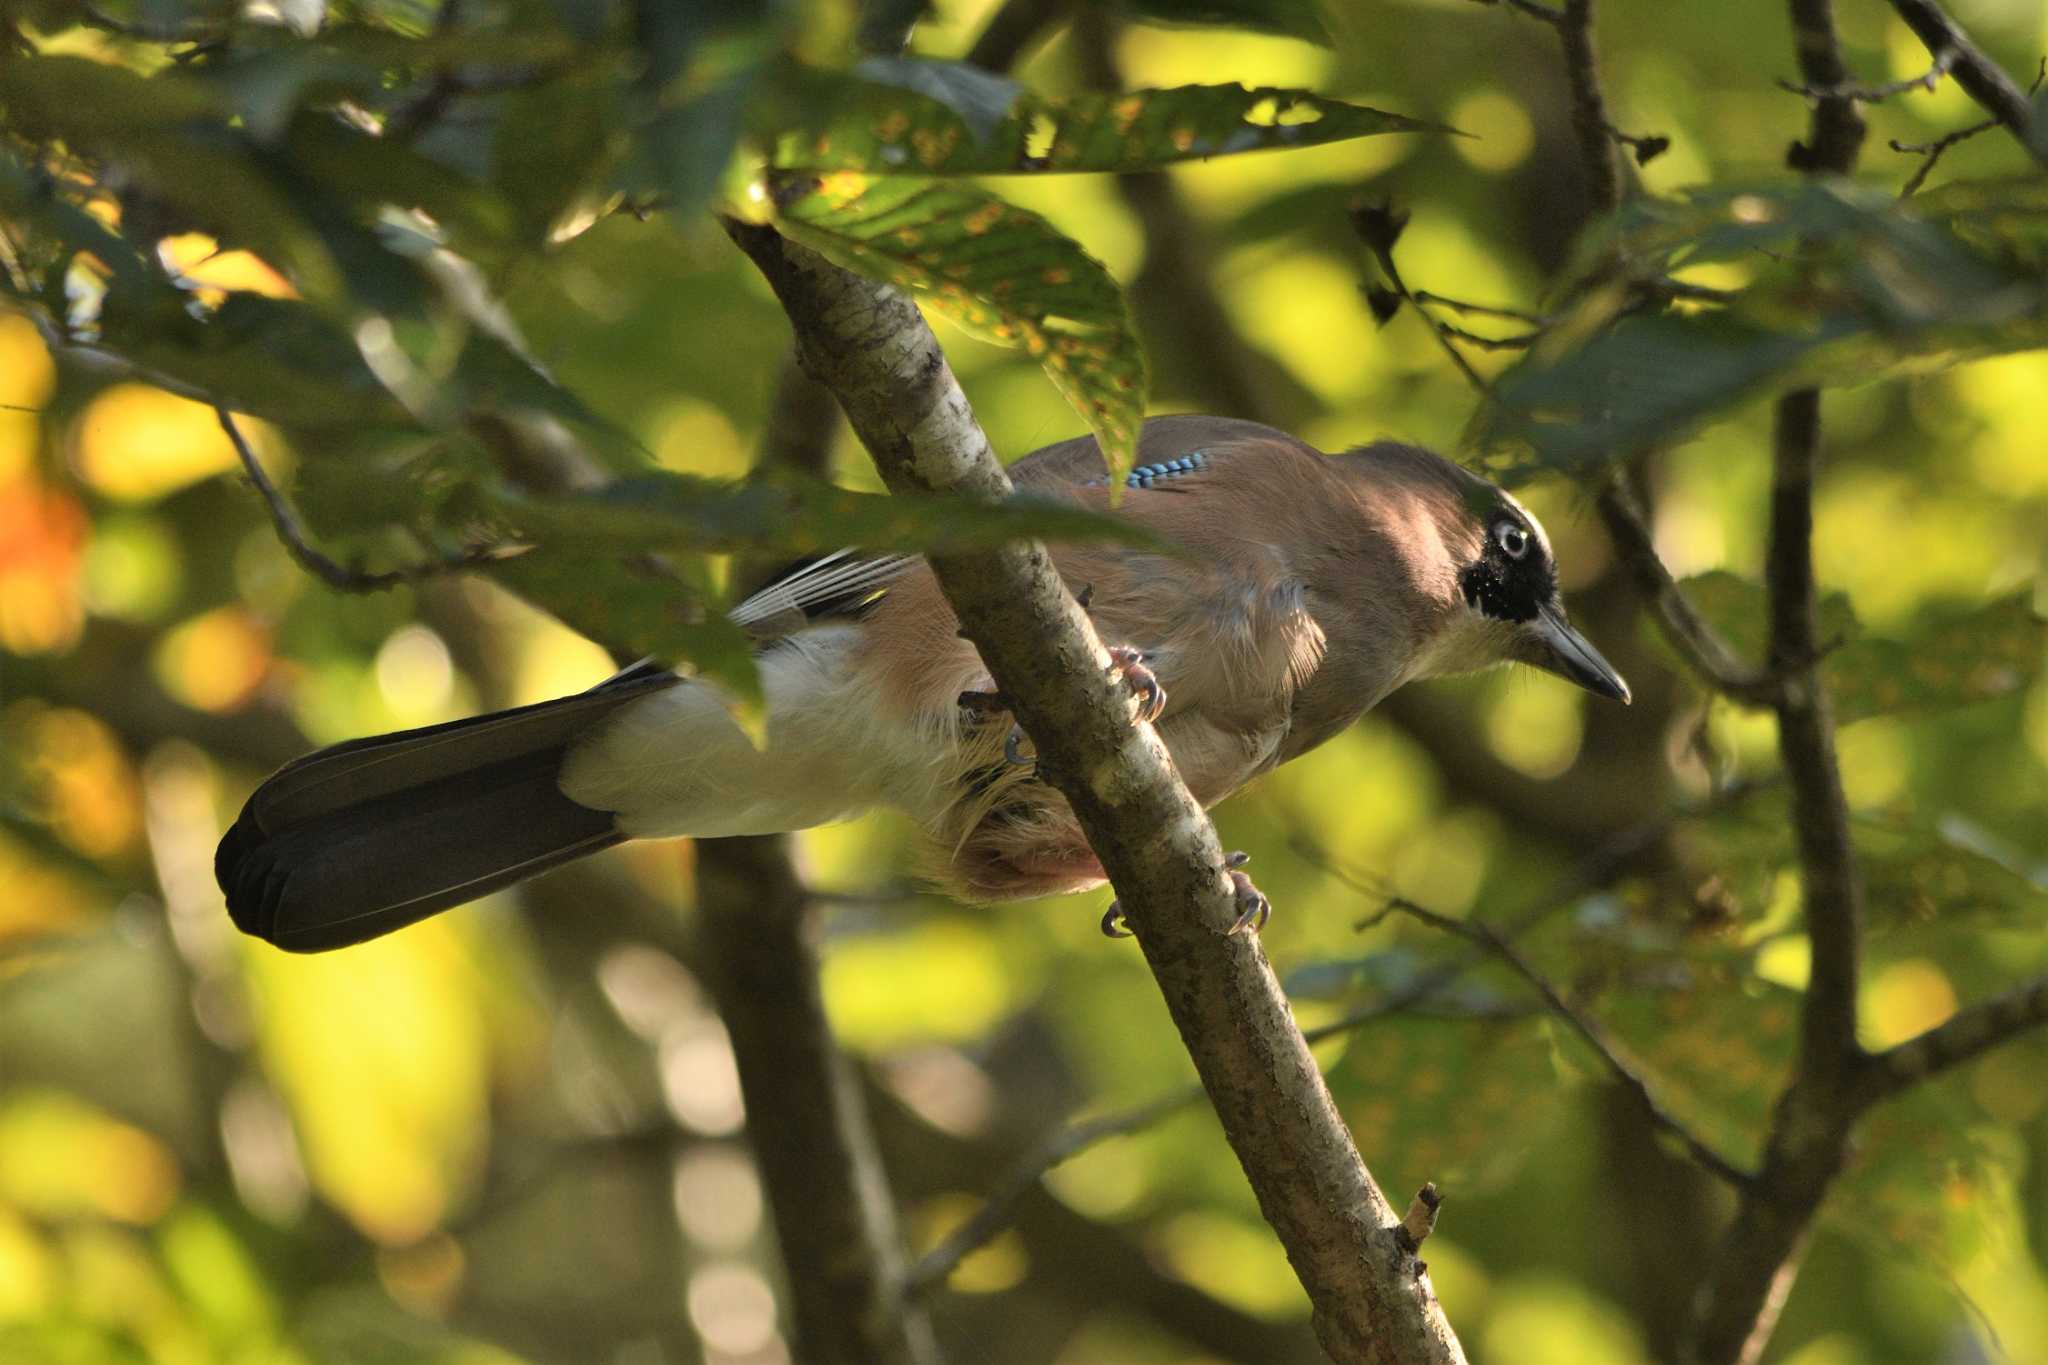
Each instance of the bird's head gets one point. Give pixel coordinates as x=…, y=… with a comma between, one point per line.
x=1510, y=584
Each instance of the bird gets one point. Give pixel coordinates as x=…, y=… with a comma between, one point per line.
x=1284, y=593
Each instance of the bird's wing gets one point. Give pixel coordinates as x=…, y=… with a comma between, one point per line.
x=838, y=584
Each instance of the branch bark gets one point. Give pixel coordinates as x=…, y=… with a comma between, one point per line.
x=806, y=1118
x=1983, y=79
x=869, y=345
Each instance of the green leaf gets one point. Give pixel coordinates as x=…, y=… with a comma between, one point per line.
x=552, y=141
x=1290, y=18
x=1929, y=1178
x=1714, y=1040
x=1917, y=872
x=1855, y=287
x=635, y=610
x=998, y=270
x=168, y=133
x=1461, y=1102
x=851, y=124
x=1991, y=652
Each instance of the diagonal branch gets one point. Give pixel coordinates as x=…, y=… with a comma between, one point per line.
x=1696, y=642
x=1984, y=80
x=868, y=344
x=1589, y=1031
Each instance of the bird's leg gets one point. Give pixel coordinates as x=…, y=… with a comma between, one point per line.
x=1253, y=909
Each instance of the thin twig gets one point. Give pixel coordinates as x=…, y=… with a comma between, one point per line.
x=1696, y=642
x=1933, y=151
x=999, y=1209
x=1871, y=94
x=285, y=520
x=1379, y=227
x=1594, y=1036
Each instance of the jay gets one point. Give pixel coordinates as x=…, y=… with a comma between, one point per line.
x=1310, y=587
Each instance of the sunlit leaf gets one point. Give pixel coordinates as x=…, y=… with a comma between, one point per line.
x=1927, y=1173
x=1456, y=1101
x=928, y=119
x=998, y=270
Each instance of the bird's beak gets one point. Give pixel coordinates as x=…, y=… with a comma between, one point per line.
x=1557, y=648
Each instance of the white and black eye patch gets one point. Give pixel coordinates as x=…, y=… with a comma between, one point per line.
x=1513, y=576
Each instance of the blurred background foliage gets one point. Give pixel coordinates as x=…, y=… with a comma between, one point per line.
x=514, y=1132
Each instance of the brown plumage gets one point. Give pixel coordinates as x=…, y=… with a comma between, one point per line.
x=1308, y=588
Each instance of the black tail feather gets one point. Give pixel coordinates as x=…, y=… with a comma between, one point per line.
x=362, y=838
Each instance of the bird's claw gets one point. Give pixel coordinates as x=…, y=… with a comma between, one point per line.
x=1013, y=748
x=1253, y=909
x=1129, y=664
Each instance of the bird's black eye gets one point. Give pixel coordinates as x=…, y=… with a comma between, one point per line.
x=1513, y=540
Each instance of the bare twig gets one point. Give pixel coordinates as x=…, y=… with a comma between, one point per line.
x=1000, y=1206
x=285, y=520
x=1986, y=81
x=1932, y=152
x=1379, y=226
x=1589, y=106
x=1591, y=1032
x=1645, y=148
x=1688, y=633
x=1872, y=94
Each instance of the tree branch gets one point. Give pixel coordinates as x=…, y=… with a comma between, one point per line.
x=1962, y=1037
x=868, y=344
x=807, y=1122
x=1753, y=1271
x=284, y=519
x=1984, y=80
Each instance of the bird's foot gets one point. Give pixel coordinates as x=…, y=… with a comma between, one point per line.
x=1253, y=909
x=1129, y=664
